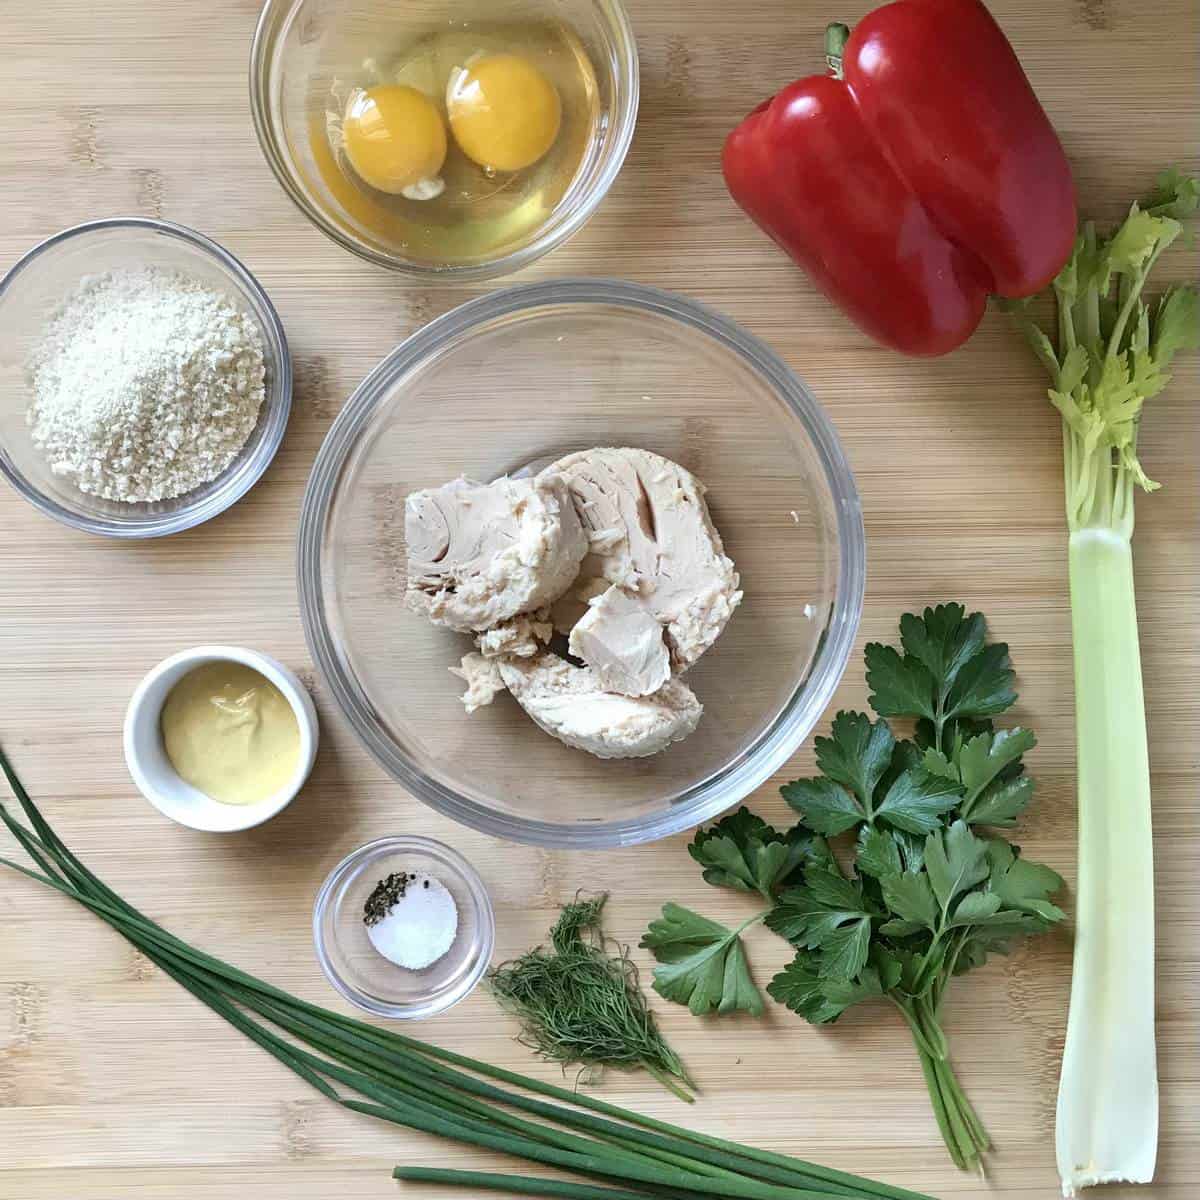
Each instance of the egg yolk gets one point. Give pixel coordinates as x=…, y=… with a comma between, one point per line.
x=504, y=113
x=394, y=137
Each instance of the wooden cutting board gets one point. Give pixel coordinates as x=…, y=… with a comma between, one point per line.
x=114, y=1084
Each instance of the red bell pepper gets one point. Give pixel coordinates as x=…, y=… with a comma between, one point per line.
x=916, y=178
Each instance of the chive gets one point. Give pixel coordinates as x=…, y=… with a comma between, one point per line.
x=522, y=1184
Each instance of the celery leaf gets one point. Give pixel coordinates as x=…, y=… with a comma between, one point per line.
x=1176, y=324
x=1175, y=195
x=1138, y=237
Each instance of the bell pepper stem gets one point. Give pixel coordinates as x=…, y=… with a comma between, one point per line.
x=836, y=37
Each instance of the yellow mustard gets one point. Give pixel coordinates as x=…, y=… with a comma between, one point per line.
x=230, y=732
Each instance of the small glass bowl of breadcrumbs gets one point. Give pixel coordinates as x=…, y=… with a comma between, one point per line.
x=403, y=927
x=145, y=379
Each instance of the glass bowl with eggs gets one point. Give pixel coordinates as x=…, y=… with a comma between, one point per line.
x=582, y=563
x=437, y=137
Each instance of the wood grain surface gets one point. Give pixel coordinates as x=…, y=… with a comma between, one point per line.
x=114, y=1084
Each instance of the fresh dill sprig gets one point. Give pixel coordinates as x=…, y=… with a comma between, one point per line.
x=580, y=1002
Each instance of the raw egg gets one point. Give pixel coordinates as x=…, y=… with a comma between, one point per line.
x=395, y=139
x=504, y=113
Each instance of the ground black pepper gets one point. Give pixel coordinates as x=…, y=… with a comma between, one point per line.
x=387, y=891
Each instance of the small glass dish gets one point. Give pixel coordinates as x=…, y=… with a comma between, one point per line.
x=359, y=972
x=303, y=48
x=41, y=281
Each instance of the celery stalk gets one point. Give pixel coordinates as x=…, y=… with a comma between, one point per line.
x=1107, y=1124
x=1109, y=355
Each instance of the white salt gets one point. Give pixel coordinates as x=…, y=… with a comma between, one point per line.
x=420, y=925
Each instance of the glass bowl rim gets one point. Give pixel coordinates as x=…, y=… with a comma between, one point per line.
x=277, y=400
x=354, y=862
x=550, y=237
x=771, y=748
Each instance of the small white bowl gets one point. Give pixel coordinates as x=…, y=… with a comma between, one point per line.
x=158, y=781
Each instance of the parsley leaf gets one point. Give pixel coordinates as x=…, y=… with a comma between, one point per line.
x=828, y=913
x=948, y=674
x=955, y=861
x=976, y=907
x=1002, y=803
x=844, y=953
x=824, y=805
x=901, y=686
x=857, y=755
x=1020, y=884
x=989, y=767
x=985, y=756
x=983, y=687
x=743, y=852
x=877, y=853
x=703, y=963
x=944, y=639
x=817, y=999
x=916, y=801
x=910, y=896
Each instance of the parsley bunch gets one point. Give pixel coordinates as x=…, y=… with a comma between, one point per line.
x=933, y=889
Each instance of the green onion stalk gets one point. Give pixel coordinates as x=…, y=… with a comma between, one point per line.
x=620, y=1154
x=1110, y=353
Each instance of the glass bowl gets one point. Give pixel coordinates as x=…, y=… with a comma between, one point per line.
x=40, y=281
x=303, y=48
x=360, y=972
x=514, y=380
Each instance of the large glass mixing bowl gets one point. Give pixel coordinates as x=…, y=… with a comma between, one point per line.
x=514, y=380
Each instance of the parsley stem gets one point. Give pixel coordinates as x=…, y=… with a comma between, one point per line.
x=938, y=1102
x=952, y=1095
x=939, y=721
x=947, y=974
x=932, y=1030
x=957, y=1120
x=904, y=1005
